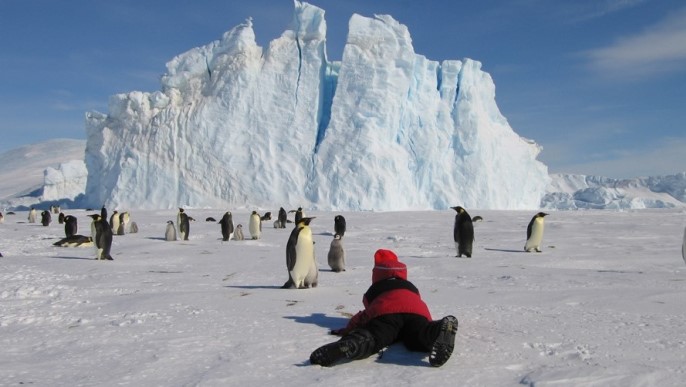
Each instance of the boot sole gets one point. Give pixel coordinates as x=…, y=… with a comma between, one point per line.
x=445, y=342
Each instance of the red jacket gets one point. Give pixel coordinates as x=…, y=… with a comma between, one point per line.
x=389, y=293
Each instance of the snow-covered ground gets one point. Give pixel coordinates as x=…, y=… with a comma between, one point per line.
x=604, y=304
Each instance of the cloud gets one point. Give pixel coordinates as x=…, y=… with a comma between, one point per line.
x=607, y=7
x=656, y=50
x=664, y=158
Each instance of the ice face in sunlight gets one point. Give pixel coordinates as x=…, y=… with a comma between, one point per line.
x=235, y=124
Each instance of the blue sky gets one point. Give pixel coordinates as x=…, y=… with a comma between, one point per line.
x=600, y=84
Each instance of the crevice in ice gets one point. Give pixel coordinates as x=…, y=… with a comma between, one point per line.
x=329, y=82
x=300, y=64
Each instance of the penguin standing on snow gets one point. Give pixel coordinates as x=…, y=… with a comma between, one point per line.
x=60, y=218
x=103, y=238
x=238, y=233
x=534, y=233
x=70, y=225
x=32, y=215
x=255, y=225
x=226, y=223
x=123, y=222
x=45, y=218
x=282, y=219
x=463, y=232
x=170, y=232
x=184, y=225
x=300, y=260
x=339, y=225
x=336, y=256
x=299, y=214
x=114, y=221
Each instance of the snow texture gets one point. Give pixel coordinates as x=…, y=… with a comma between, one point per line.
x=604, y=304
x=385, y=128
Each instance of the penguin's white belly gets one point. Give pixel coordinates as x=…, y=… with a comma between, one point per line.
x=254, y=227
x=534, y=241
x=304, y=271
x=170, y=234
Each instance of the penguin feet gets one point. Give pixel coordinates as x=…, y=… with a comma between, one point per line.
x=443, y=346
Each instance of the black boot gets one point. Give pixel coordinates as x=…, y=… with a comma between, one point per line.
x=358, y=344
x=443, y=346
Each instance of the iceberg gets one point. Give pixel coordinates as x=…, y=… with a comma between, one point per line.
x=235, y=125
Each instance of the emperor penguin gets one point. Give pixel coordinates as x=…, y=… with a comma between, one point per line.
x=267, y=216
x=170, y=232
x=114, y=221
x=339, y=225
x=45, y=218
x=255, y=225
x=178, y=218
x=60, y=218
x=95, y=217
x=2, y=218
x=463, y=232
x=75, y=241
x=300, y=260
x=123, y=222
x=226, y=223
x=134, y=228
x=238, y=233
x=336, y=255
x=299, y=214
x=184, y=225
x=534, y=233
x=282, y=219
x=32, y=215
x=70, y=225
x=103, y=238
x=103, y=212
x=683, y=247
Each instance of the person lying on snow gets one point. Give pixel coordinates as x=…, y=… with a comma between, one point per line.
x=394, y=311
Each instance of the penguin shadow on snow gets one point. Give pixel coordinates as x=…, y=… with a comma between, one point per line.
x=63, y=257
x=321, y=320
x=253, y=286
x=505, y=250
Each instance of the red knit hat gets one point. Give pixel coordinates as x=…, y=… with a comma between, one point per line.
x=386, y=265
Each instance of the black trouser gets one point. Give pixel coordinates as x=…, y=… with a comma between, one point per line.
x=413, y=330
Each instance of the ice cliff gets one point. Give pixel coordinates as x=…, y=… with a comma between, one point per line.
x=571, y=192
x=236, y=125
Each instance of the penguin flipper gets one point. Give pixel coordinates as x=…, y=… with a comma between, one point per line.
x=290, y=249
x=529, y=229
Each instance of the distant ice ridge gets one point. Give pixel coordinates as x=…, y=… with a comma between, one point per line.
x=236, y=125
x=570, y=192
x=67, y=181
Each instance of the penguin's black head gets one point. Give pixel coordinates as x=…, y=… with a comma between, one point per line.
x=458, y=209
x=95, y=216
x=306, y=221
x=170, y=222
x=541, y=214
